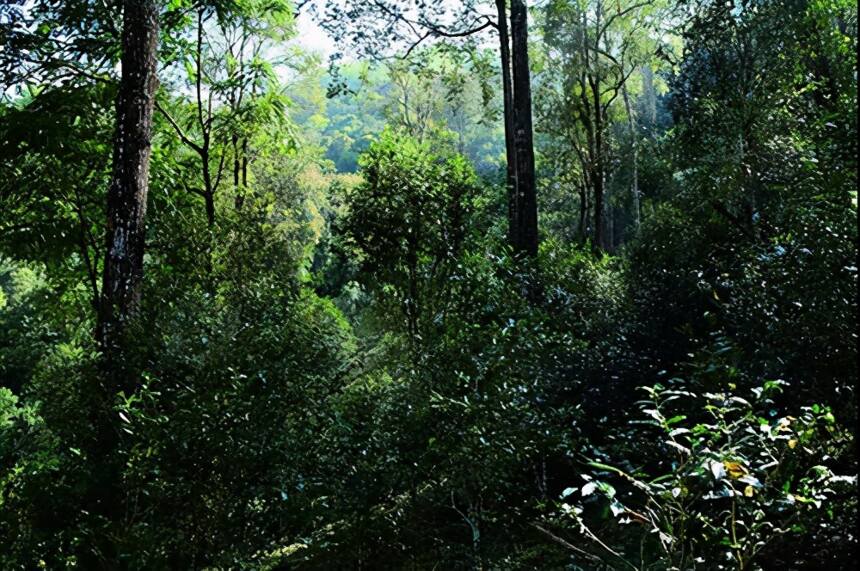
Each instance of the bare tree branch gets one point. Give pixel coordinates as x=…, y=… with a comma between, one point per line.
x=182, y=136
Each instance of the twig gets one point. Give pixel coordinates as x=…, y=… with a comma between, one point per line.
x=566, y=544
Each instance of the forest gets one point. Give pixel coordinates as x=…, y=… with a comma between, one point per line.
x=411, y=285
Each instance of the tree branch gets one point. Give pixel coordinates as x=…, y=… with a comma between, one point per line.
x=182, y=136
x=620, y=14
x=566, y=544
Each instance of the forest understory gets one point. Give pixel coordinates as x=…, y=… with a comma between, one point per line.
x=476, y=285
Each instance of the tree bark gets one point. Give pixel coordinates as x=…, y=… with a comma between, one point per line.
x=583, y=212
x=598, y=157
x=508, y=111
x=526, y=205
x=205, y=120
x=634, y=151
x=610, y=227
x=126, y=199
x=650, y=97
x=244, y=164
x=238, y=198
x=599, y=221
x=105, y=498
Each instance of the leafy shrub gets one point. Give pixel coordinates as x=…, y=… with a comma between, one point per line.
x=716, y=482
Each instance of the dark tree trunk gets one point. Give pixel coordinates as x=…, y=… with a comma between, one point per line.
x=238, y=198
x=105, y=498
x=599, y=220
x=208, y=187
x=610, y=227
x=411, y=305
x=205, y=120
x=126, y=199
x=583, y=212
x=508, y=100
x=244, y=164
x=209, y=201
x=526, y=209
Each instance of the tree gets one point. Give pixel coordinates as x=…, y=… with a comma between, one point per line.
x=416, y=103
x=596, y=49
x=377, y=26
x=356, y=377
x=126, y=199
x=234, y=90
x=409, y=219
x=526, y=233
x=123, y=272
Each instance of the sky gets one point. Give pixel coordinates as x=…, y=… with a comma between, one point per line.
x=312, y=37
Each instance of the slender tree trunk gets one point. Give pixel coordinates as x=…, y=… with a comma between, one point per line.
x=205, y=126
x=583, y=212
x=650, y=96
x=599, y=176
x=599, y=156
x=411, y=306
x=238, y=199
x=245, y=158
x=244, y=165
x=599, y=226
x=610, y=227
x=508, y=110
x=526, y=210
x=634, y=146
x=126, y=199
x=208, y=190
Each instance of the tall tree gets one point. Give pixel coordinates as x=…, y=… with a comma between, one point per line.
x=508, y=115
x=122, y=278
x=596, y=48
x=377, y=26
x=231, y=89
x=526, y=237
x=126, y=200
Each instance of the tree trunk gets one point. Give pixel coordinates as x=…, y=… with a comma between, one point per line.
x=105, y=498
x=583, y=212
x=599, y=175
x=238, y=199
x=126, y=199
x=208, y=190
x=244, y=164
x=650, y=96
x=508, y=110
x=526, y=209
x=205, y=127
x=634, y=146
x=610, y=227
x=599, y=226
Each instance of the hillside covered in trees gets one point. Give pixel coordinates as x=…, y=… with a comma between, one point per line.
x=489, y=285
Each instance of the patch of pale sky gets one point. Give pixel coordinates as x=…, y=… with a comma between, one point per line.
x=313, y=38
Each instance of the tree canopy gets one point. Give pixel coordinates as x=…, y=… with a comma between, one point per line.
x=564, y=285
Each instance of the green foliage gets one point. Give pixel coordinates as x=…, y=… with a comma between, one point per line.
x=53, y=145
x=439, y=89
x=264, y=383
x=350, y=369
x=25, y=332
x=409, y=219
x=41, y=444
x=716, y=477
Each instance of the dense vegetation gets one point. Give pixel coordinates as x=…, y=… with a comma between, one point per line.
x=257, y=312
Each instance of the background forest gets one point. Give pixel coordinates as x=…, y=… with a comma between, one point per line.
x=565, y=284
